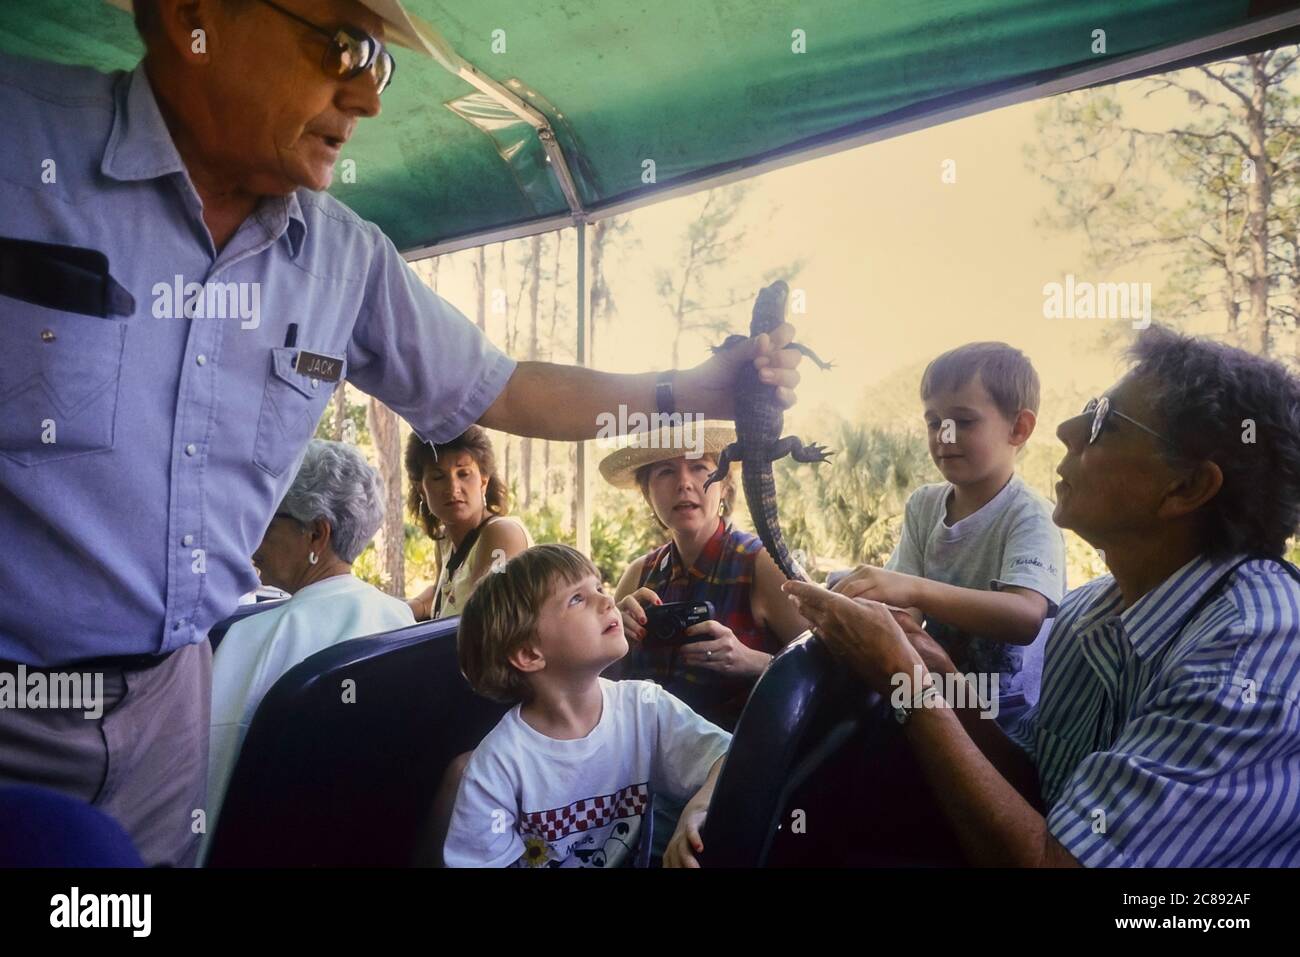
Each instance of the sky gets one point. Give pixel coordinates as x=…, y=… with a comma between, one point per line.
x=899, y=265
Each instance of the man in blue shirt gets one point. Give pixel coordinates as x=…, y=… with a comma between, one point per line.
x=1167, y=730
x=154, y=407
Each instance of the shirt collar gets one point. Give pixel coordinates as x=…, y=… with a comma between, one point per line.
x=1157, y=617
x=140, y=147
x=328, y=586
x=282, y=215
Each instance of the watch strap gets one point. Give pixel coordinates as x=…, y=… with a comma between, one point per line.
x=920, y=701
x=665, y=401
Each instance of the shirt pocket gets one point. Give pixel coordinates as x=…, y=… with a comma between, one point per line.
x=59, y=381
x=291, y=406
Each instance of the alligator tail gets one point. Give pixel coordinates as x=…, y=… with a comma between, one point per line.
x=760, y=495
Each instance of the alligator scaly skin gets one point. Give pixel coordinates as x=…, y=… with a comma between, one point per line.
x=759, y=420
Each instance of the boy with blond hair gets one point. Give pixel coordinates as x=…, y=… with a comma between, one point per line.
x=979, y=559
x=567, y=777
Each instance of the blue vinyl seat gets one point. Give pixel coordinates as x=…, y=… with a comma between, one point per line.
x=43, y=828
x=218, y=631
x=818, y=774
x=803, y=710
x=345, y=753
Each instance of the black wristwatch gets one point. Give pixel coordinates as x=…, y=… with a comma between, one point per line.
x=665, y=401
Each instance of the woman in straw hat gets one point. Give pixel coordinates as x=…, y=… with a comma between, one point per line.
x=706, y=559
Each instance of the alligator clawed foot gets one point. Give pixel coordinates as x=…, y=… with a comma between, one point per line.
x=807, y=353
x=812, y=454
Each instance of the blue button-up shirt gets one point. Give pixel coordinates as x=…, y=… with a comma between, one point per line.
x=1167, y=740
x=142, y=456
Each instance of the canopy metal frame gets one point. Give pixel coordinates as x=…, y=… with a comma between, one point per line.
x=927, y=115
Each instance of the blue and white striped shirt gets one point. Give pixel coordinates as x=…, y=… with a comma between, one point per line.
x=1166, y=741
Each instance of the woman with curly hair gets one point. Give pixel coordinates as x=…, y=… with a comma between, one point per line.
x=1168, y=709
x=460, y=500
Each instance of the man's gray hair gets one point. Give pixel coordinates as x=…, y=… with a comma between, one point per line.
x=336, y=483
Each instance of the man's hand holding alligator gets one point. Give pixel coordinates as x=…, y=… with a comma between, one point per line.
x=710, y=387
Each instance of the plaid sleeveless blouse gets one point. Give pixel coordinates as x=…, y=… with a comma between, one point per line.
x=723, y=574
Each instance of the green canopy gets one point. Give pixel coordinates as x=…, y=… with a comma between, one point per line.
x=691, y=91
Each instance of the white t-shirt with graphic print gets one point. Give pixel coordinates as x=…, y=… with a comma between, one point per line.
x=534, y=801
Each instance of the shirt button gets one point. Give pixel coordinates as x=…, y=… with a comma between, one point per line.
x=315, y=383
x=201, y=360
x=187, y=540
x=47, y=335
x=191, y=449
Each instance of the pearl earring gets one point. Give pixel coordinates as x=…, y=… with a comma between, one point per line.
x=311, y=557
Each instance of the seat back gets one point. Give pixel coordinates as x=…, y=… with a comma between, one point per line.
x=218, y=631
x=801, y=712
x=44, y=828
x=345, y=753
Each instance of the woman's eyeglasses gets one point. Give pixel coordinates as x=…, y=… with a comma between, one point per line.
x=351, y=51
x=1101, y=410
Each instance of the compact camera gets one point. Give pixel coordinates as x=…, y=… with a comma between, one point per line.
x=666, y=624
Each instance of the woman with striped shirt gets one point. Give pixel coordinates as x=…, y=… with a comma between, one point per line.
x=1167, y=729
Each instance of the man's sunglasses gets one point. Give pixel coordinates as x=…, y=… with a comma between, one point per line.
x=351, y=51
x=1101, y=410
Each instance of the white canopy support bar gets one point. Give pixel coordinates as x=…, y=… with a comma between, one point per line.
x=582, y=515
x=454, y=63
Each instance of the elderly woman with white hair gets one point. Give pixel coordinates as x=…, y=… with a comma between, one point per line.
x=331, y=511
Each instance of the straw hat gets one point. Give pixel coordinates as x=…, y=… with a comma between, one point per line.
x=619, y=467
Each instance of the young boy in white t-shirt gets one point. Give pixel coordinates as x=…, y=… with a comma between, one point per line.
x=979, y=559
x=567, y=777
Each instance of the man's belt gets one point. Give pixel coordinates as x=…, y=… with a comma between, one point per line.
x=106, y=663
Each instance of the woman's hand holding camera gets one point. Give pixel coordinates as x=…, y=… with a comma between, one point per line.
x=723, y=652
x=632, y=607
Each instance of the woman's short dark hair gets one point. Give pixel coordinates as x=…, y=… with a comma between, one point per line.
x=420, y=454
x=1240, y=411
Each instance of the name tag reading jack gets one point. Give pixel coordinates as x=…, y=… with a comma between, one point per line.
x=318, y=366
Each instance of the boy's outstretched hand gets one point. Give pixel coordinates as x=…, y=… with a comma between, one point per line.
x=686, y=841
x=865, y=634
x=880, y=584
